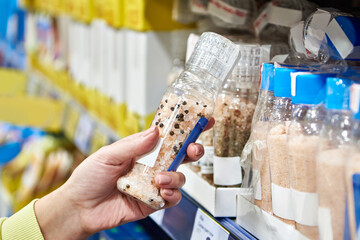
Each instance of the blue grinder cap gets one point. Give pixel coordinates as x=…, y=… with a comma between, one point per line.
x=309, y=88
x=282, y=81
x=267, y=77
x=338, y=93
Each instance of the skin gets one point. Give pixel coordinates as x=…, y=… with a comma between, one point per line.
x=90, y=201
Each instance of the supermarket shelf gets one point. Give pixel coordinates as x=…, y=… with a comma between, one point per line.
x=187, y=220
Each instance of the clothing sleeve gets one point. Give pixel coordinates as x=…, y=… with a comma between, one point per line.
x=22, y=225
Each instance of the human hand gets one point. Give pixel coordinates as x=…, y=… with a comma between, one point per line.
x=90, y=201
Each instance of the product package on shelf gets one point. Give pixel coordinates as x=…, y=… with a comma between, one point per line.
x=276, y=17
x=199, y=7
x=307, y=118
x=112, y=11
x=182, y=115
x=233, y=113
x=255, y=157
x=181, y=12
x=154, y=15
x=277, y=145
x=353, y=165
x=232, y=14
x=332, y=155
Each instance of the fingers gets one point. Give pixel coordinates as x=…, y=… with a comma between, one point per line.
x=130, y=147
x=210, y=124
x=170, y=183
x=194, y=152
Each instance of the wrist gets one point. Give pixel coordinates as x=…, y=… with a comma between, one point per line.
x=58, y=218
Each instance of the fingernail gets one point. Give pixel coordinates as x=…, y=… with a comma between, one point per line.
x=163, y=179
x=149, y=131
x=198, y=151
x=168, y=192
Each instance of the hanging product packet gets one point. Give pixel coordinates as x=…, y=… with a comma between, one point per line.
x=255, y=157
x=233, y=113
x=331, y=33
x=199, y=6
x=308, y=94
x=277, y=145
x=331, y=157
x=236, y=14
x=353, y=166
x=276, y=17
x=182, y=115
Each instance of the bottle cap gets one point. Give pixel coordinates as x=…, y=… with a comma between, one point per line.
x=355, y=100
x=214, y=54
x=267, y=76
x=282, y=81
x=246, y=70
x=308, y=88
x=338, y=93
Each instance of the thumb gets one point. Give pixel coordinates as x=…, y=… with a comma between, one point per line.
x=128, y=149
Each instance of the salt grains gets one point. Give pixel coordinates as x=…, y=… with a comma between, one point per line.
x=331, y=190
x=175, y=121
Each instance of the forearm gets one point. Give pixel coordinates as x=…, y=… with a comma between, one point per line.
x=58, y=218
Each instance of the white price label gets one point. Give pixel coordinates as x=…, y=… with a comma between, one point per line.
x=227, y=12
x=206, y=228
x=83, y=133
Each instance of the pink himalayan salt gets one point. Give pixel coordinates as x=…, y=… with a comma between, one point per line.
x=331, y=187
x=302, y=160
x=175, y=118
x=260, y=156
x=279, y=167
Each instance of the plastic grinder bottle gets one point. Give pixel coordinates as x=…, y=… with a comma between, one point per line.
x=182, y=115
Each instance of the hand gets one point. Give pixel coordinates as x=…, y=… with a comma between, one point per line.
x=90, y=201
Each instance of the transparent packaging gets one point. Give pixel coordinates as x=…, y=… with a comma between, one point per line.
x=185, y=105
x=353, y=166
x=255, y=156
x=235, y=14
x=331, y=157
x=315, y=42
x=233, y=114
x=275, y=18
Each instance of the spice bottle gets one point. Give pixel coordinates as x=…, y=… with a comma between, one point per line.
x=182, y=115
x=277, y=143
x=260, y=171
x=353, y=165
x=207, y=161
x=308, y=92
x=333, y=149
x=233, y=113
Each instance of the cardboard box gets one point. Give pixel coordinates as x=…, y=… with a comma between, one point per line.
x=219, y=201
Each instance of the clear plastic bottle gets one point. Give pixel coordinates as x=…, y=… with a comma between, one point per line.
x=233, y=114
x=236, y=14
x=353, y=165
x=308, y=91
x=275, y=18
x=277, y=144
x=255, y=155
x=331, y=157
x=207, y=161
x=182, y=115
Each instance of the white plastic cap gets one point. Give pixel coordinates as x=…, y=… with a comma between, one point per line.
x=214, y=54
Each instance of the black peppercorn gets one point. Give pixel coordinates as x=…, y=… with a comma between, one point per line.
x=161, y=106
x=176, y=125
x=171, y=133
x=161, y=125
x=184, y=103
x=186, y=111
x=172, y=108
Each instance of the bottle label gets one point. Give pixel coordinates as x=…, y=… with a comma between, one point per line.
x=324, y=219
x=227, y=12
x=305, y=207
x=207, y=161
x=149, y=159
x=227, y=171
x=257, y=189
x=340, y=40
x=281, y=202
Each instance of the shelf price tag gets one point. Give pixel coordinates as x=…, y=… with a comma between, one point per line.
x=99, y=139
x=207, y=228
x=71, y=121
x=83, y=133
